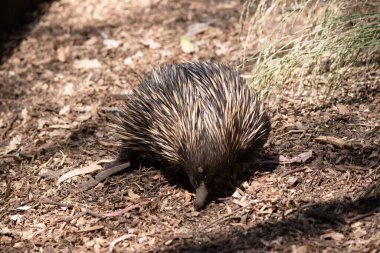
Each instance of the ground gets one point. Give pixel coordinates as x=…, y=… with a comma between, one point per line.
x=61, y=85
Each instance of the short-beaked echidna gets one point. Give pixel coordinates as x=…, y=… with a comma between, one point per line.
x=199, y=118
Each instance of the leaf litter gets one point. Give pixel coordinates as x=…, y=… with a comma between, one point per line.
x=55, y=86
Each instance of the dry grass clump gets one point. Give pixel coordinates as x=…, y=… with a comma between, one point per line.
x=309, y=37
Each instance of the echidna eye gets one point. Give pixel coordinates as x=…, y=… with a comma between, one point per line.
x=200, y=170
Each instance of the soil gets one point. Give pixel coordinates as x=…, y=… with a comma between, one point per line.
x=62, y=84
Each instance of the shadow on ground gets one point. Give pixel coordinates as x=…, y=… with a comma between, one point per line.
x=308, y=222
x=17, y=19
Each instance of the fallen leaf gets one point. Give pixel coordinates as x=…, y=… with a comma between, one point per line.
x=342, y=109
x=64, y=110
x=132, y=195
x=91, y=41
x=150, y=43
x=293, y=180
x=87, y=64
x=13, y=144
x=143, y=239
x=303, y=157
x=61, y=54
x=50, y=174
x=240, y=203
x=19, y=245
x=337, y=142
x=199, y=27
x=111, y=43
x=68, y=90
x=76, y=172
x=299, y=126
x=102, y=175
x=58, y=133
x=187, y=197
x=222, y=48
x=236, y=194
x=128, y=61
x=300, y=249
x=15, y=217
x=359, y=232
x=23, y=208
x=281, y=159
x=333, y=235
x=186, y=45
x=25, y=116
x=41, y=123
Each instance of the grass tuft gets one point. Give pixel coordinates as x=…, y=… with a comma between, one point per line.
x=335, y=36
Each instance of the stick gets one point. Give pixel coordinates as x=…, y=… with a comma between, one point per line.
x=8, y=127
x=51, y=202
x=102, y=175
x=223, y=218
x=287, y=173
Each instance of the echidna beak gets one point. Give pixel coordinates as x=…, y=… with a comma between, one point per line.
x=200, y=196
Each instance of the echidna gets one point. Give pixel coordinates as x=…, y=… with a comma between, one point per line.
x=199, y=118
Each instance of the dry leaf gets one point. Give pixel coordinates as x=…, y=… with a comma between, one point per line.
x=300, y=249
x=333, y=235
x=196, y=28
x=293, y=180
x=87, y=64
x=301, y=158
x=359, y=232
x=132, y=195
x=187, y=198
x=150, y=43
x=111, y=43
x=58, y=133
x=25, y=116
x=68, y=90
x=91, y=41
x=337, y=142
x=23, y=208
x=64, y=110
x=13, y=144
x=299, y=126
x=61, y=54
x=85, y=170
x=186, y=45
x=128, y=61
x=342, y=109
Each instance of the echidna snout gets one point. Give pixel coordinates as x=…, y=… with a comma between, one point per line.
x=200, y=196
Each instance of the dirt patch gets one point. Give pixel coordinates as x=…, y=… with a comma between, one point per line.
x=60, y=87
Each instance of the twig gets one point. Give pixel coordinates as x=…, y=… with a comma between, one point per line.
x=287, y=173
x=8, y=127
x=73, y=217
x=124, y=210
x=337, y=142
x=102, y=175
x=291, y=132
x=119, y=239
x=89, y=229
x=86, y=210
x=221, y=219
x=362, y=216
x=7, y=189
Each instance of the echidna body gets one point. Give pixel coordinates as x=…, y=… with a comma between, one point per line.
x=199, y=118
